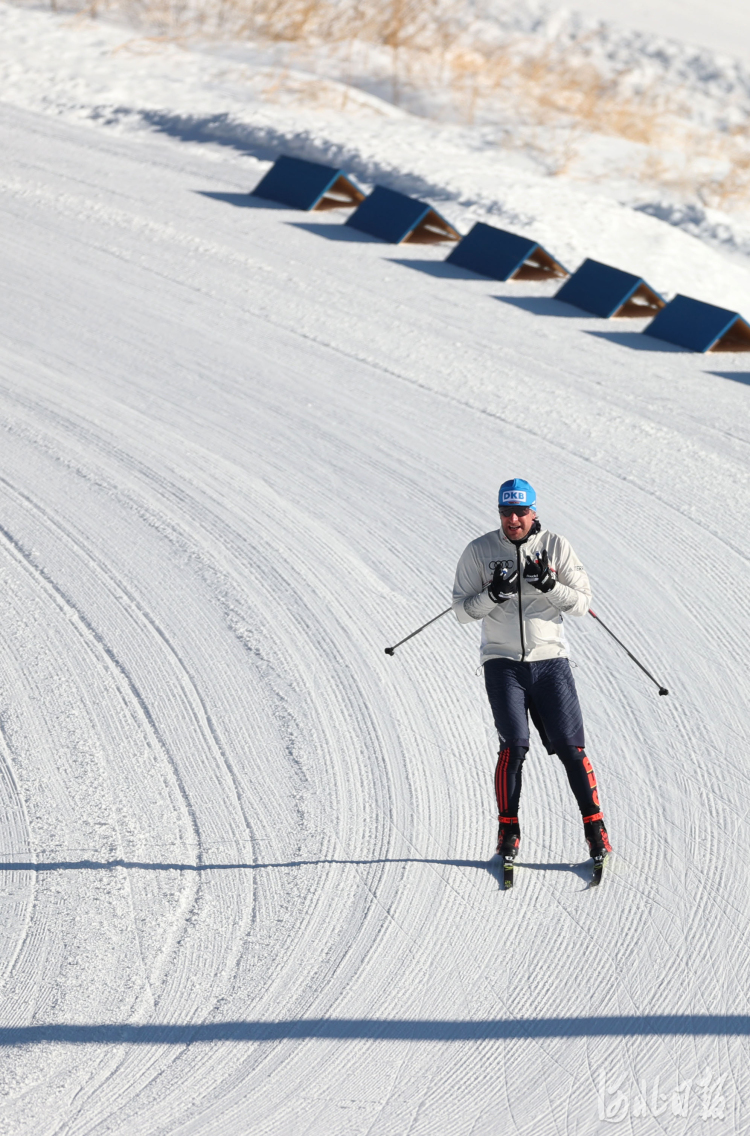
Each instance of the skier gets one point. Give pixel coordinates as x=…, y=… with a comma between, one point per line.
x=519, y=580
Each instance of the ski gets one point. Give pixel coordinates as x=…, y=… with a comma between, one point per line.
x=506, y=863
x=596, y=878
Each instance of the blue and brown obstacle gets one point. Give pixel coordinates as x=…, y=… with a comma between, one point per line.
x=504, y=256
x=609, y=292
x=398, y=219
x=308, y=185
x=700, y=327
x=501, y=255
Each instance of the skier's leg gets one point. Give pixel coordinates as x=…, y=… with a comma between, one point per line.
x=506, y=690
x=554, y=698
x=508, y=779
x=505, y=682
x=555, y=701
x=581, y=778
x=508, y=791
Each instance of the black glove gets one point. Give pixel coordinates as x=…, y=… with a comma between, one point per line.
x=537, y=573
x=504, y=583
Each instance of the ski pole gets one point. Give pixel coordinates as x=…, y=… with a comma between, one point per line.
x=390, y=650
x=662, y=689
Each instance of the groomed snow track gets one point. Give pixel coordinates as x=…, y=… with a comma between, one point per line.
x=244, y=855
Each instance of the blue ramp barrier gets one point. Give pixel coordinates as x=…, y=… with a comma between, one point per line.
x=307, y=185
x=396, y=218
x=609, y=292
x=700, y=327
x=504, y=256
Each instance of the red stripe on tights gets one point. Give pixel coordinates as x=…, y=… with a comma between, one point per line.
x=501, y=780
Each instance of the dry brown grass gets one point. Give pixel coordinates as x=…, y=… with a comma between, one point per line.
x=731, y=187
x=422, y=47
x=713, y=168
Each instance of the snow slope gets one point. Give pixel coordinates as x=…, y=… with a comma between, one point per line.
x=105, y=75
x=245, y=881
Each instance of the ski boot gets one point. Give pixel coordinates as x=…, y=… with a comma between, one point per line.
x=508, y=840
x=598, y=842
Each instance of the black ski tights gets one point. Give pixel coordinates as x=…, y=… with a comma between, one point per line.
x=577, y=766
x=508, y=780
x=581, y=779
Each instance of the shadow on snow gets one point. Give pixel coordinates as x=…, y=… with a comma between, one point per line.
x=241, y=200
x=545, y=306
x=735, y=376
x=325, y=1029
x=492, y=866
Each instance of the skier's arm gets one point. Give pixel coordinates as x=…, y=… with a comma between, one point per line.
x=470, y=601
x=572, y=591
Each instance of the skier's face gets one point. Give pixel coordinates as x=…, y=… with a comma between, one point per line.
x=517, y=522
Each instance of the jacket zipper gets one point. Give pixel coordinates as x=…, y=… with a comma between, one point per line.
x=520, y=606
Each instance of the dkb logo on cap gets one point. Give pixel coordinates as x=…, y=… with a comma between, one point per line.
x=516, y=491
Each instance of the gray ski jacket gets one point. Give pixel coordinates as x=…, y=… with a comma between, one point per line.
x=528, y=626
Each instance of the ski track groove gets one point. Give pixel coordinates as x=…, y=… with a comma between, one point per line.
x=99, y=649
x=19, y=836
x=94, y=640
x=92, y=561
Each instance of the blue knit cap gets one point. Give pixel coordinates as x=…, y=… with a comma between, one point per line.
x=516, y=492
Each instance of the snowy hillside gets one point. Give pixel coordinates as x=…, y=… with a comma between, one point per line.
x=637, y=199
x=245, y=854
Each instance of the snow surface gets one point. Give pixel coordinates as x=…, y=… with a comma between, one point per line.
x=245, y=853
x=722, y=26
